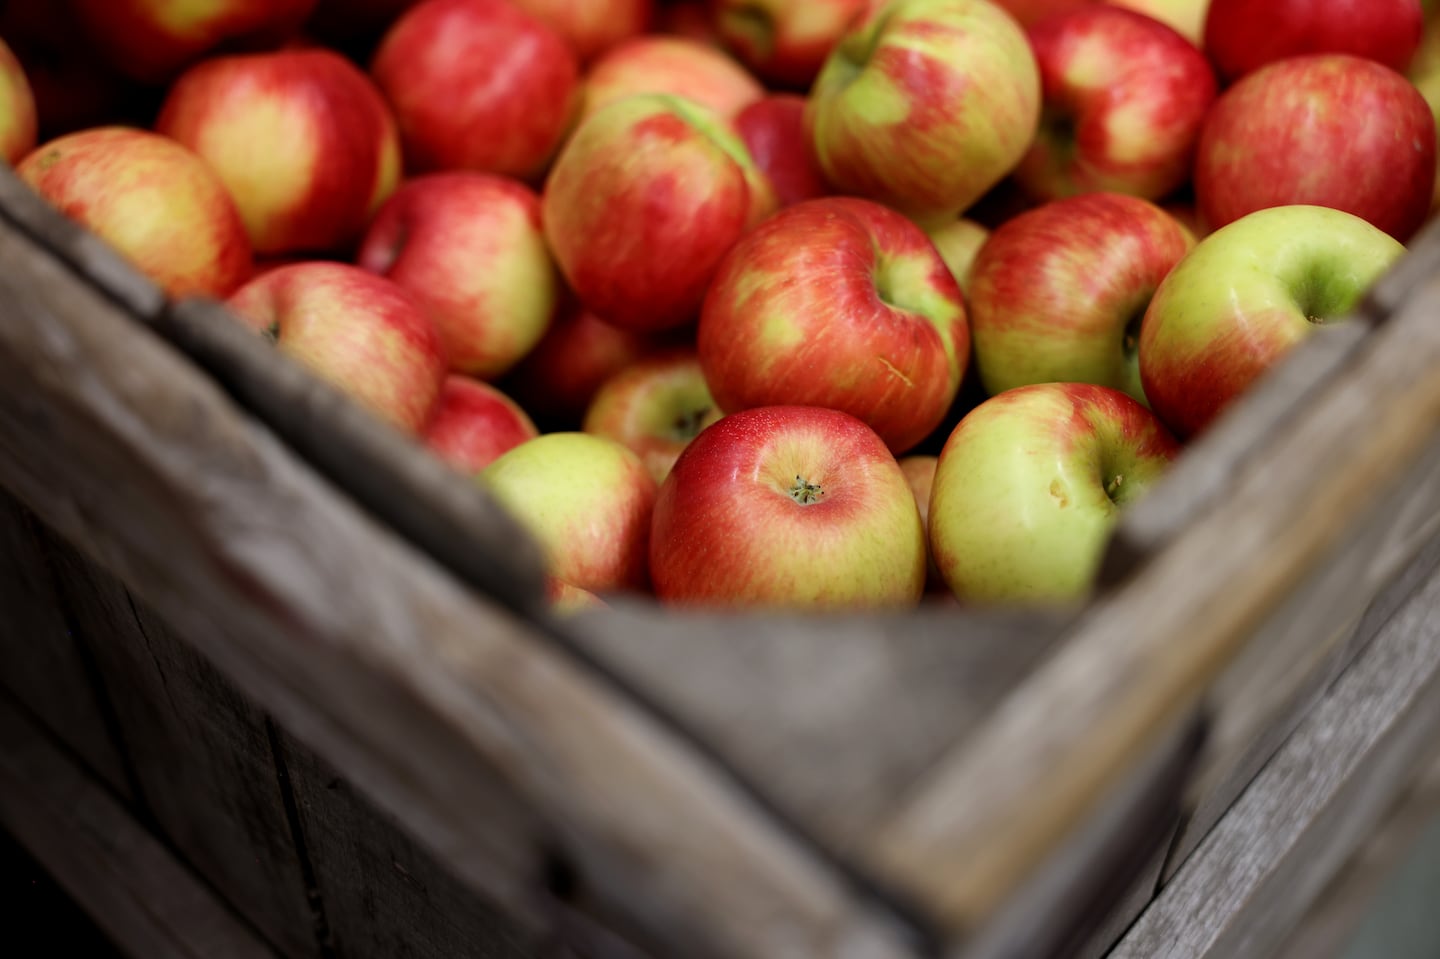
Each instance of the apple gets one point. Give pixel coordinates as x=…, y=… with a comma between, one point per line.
x=566, y=599
x=556, y=381
x=1243, y=35
x=958, y=241
x=1185, y=17
x=300, y=138
x=773, y=129
x=674, y=65
x=1030, y=484
x=1125, y=97
x=157, y=203
x=1325, y=129
x=654, y=406
x=925, y=105
x=785, y=42
x=1244, y=297
x=592, y=26
x=477, y=85
x=646, y=197
x=474, y=422
x=470, y=248
x=1057, y=294
x=837, y=302
x=588, y=501
x=18, y=123
x=360, y=332
x=919, y=470
x=787, y=506
x=152, y=40
x=1033, y=11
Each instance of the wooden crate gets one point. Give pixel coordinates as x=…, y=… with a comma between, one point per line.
x=314, y=670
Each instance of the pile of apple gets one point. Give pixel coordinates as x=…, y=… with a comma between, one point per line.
x=831, y=303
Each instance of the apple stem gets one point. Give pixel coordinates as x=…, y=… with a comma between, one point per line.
x=805, y=492
x=1112, y=488
x=272, y=332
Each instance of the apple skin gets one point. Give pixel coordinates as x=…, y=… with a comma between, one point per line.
x=1027, y=12
x=837, y=302
x=1244, y=297
x=925, y=105
x=592, y=26
x=1243, y=35
x=360, y=332
x=654, y=406
x=646, y=197
x=919, y=470
x=791, y=507
x=1327, y=130
x=566, y=599
x=1030, y=484
x=18, y=123
x=1185, y=17
x=152, y=40
x=1125, y=97
x=150, y=198
x=958, y=241
x=469, y=246
x=340, y=158
x=1057, y=294
x=588, y=500
x=477, y=85
x=473, y=423
x=773, y=129
x=783, y=41
x=675, y=65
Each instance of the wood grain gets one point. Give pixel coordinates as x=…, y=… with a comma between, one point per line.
x=1361, y=747
x=429, y=698
x=146, y=901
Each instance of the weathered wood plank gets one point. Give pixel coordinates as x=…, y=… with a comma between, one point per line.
x=425, y=695
x=1360, y=748
x=1149, y=649
x=200, y=753
x=146, y=901
x=42, y=662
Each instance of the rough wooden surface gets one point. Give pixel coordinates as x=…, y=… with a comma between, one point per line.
x=1293, y=828
x=43, y=664
x=430, y=698
x=1149, y=650
x=146, y=901
x=202, y=761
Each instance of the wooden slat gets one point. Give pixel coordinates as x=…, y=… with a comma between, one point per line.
x=1272, y=855
x=200, y=754
x=42, y=663
x=1148, y=651
x=428, y=697
x=142, y=897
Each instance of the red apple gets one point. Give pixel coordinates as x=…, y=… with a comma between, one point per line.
x=773, y=129
x=300, y=137
x=151, y=40
x=925, y=105
x=1329, y=130
x=646, y=197
x=592, y=26
x=477, y=85
x=587, y=499
x=150, y=198
x=473, y=423
x=17, y=109
x=654, y=406
x=1124, y=100
x=673, y=65
x=470, y=248
x=837, y=302
x=1030, y=484
x=360, y=332
x=1057, y=294
x=785, y=41
x=790, y=506
x=1033, y=11
x=1243, y=35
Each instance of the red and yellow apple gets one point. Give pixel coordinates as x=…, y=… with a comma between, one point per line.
x=675, y=65
x=785, y=42
x=1243, y=35
x=473, y=423
x=592, y=26
x=773, y=129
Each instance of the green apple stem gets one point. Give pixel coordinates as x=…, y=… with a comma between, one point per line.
x=1112, y=488
x=805, y=492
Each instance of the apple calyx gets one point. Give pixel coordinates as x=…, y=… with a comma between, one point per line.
x=752, y=25
x=272, y=332
x=805, y=492
x=687, y=425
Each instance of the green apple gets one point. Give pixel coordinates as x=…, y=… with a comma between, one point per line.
x=1029, y=485
x=1246, y=295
